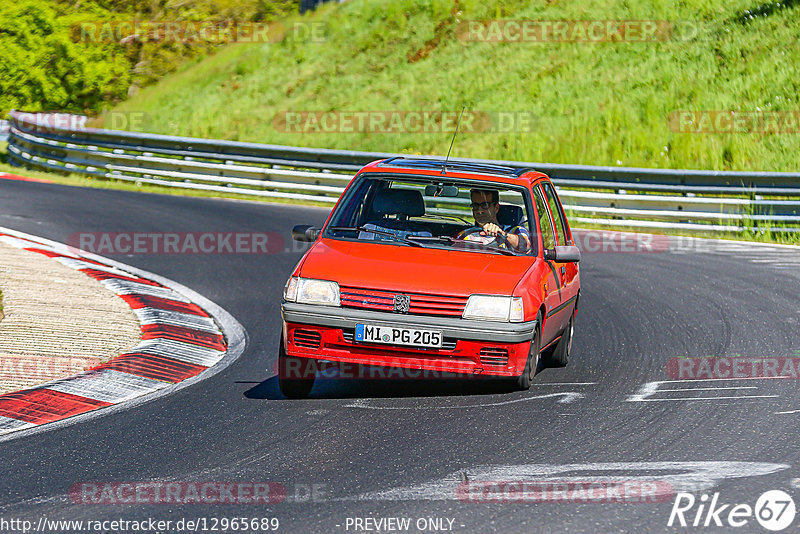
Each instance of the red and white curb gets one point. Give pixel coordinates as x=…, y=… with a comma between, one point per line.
x=185, y=338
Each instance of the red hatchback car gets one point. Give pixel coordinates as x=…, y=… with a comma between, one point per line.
x=456, y=267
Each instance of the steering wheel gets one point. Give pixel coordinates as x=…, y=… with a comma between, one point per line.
x=498, y=239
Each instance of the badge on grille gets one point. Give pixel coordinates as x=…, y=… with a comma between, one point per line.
x=401, y=303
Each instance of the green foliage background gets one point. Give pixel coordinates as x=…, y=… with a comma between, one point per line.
x=45, y=65
x=606, y=103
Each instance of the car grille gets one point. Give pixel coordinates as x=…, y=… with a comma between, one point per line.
x=447, y=344
x=494, y=356
x=421, y=303
x=307, y=339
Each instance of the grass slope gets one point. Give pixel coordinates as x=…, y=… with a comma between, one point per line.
x=595, y=103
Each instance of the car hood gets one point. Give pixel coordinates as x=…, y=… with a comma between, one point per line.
x=414, y=269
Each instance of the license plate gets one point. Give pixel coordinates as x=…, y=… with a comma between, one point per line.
x=390, y=335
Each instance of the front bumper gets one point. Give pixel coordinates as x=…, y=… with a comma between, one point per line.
x=472, y=347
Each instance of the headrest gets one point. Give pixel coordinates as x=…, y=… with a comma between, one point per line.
x=510, y=215
x=399, y=202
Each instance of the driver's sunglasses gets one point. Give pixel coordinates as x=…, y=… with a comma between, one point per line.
x=482, y=205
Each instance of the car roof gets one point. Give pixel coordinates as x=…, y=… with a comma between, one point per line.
x=455, y=169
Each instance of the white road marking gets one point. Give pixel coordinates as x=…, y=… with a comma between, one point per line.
x=652, y=388
x=568, y=396
x=564, y=384
x=124, y=287
x=779, y=259
x=156, y=316
x=790, y=411
x=680, y=476
x=785, y=265
x=708, y=389
x=710, y=398
x=108, y=385
x=777, y=256
x=684, y=381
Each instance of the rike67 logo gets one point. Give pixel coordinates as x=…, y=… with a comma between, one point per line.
x=774, y=510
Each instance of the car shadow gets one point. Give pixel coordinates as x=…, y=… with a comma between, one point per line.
x=382, y=387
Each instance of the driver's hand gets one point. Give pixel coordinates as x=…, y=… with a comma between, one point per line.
x=493, y=229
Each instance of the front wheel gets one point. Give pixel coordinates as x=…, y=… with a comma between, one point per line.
x=296, y=376
x=532, y=364
x=559, y=357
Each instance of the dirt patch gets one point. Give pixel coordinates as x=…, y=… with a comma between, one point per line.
x=438, y=33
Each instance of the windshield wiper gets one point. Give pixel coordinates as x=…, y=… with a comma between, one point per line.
x=446, y=217
x=374, y=231
x=448, y=239
x=445, y=238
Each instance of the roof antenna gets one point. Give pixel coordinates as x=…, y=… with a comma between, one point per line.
x=444, y=167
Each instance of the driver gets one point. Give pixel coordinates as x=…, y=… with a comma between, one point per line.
x=485, y=205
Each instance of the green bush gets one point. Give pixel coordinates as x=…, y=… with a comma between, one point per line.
x=47, y=63
x=41, y=68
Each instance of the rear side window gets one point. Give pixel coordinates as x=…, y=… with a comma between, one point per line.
x=548, y=236
x=558, y=215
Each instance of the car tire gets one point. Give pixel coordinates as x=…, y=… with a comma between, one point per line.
x=296, y=376
x=559, y=356
x=532, y=364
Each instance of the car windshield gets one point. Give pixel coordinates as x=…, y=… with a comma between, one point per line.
x=481, y=216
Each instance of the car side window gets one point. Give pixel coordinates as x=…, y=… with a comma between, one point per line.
x=548, y=236
x=362, y=209
x=558, y=214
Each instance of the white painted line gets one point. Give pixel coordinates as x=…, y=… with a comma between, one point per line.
x=568, y=397
x=7, y=424
x=732, y=248
x=156, y=316
x=646, y=390
x=178, y=350
x=651, y=388
x=720, y=379
x=708, y=389
x=123, y=287
x=108, y=385
x=790, y=411
x=709, y=398
x=564, y=384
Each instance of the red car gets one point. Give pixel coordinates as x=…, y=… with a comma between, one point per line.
x=426, y=265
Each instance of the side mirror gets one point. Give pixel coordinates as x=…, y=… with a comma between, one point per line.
x=571, y=254
x=306, y=233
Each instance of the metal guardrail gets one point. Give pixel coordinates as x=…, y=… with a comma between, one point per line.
x=647, y=198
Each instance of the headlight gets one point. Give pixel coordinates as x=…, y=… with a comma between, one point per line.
x=309, y=291
x=494, y=308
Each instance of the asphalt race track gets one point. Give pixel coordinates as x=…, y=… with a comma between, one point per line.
x=379, y=449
